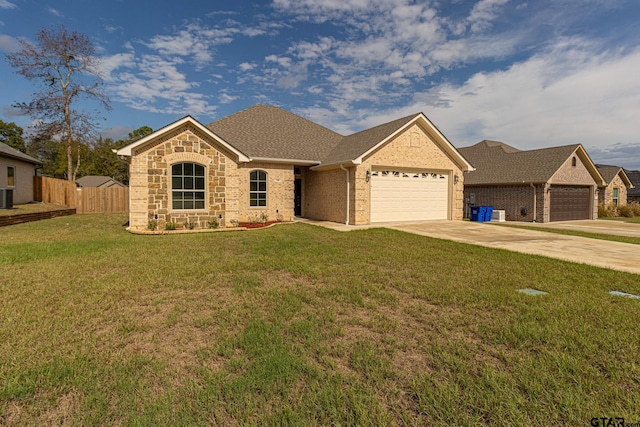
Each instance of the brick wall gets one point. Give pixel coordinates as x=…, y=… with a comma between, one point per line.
x=414, y=149
x=515, y=200
x=324, y=194
x=279, y=192
x=568, y=174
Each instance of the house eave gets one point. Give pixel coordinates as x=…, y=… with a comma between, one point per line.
x=280, y=161
x=336, y=165
x=127, y=151
x=445, y=144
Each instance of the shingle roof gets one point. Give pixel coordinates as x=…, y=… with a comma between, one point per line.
x=634, y=177
x=271, y=132
x=610, y=172
x=353, y=146
x=499, y=163
x=98, y=181
x=9, y=151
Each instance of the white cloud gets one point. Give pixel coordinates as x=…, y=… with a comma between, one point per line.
x=6, y=4
x=8, y=43
x=55, y=12
x=565, y=95
x=483, y=13
x=245, y=66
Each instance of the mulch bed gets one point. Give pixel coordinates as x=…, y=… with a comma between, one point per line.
x=257, y=224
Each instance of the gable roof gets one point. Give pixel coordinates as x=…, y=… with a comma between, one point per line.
x=8, y=151
x=499, y=163
x=610, y=172
x=98, y=181
x=353, y=148
x=127, y=150
x=268, y=133
x=634, y=177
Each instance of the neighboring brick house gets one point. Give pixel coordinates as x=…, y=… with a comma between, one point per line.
x=550, y=184
x=265, y=161
x=16, y=172
x=633, y=194
x=614, y=193
x=98, y=181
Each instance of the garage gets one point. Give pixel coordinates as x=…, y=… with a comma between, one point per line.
x=570, y=202
x=398, y=195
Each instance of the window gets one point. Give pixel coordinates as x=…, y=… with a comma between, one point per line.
x=187, y=185
x=573, y=161
x=11, y=176
x=616, y=195
x=258, y=188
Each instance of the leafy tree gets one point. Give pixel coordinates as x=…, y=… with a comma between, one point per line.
x=62, y=62
x=11, y=134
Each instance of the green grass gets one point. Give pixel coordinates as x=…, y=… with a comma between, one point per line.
x=600, y=236
x=299, y=325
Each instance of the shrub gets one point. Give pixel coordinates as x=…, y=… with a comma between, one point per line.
x=605, y=212
x=152, y=224
x=213, y=223
x=190, y=225
x=626, y=211
x=635, y=208
x=171, y=225
x=235, y=222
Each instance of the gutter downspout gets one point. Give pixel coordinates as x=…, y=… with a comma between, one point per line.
x=347, y=171
x=535, y=209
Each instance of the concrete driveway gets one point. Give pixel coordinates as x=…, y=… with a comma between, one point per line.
x=601, y=253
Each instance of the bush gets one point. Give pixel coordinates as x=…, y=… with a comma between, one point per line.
x=626, y=211
x=213, y=223
x=190, y=225
x=635, y=208
x=172, y=225
x=152, y=224
x=605, y=212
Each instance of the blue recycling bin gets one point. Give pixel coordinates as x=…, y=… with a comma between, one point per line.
x=477, y=213
x=488, y=214
x=482, y=216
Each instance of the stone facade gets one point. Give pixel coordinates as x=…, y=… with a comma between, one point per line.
x=227, y=175
x=605, y=194
x=226, y=188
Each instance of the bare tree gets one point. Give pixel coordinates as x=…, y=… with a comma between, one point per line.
x=64, y=65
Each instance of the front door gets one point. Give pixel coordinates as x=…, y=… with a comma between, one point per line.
x=297, y=197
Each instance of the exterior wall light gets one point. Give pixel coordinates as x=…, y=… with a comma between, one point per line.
x=368, y=176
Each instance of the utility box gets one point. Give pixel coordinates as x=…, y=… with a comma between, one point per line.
x=6, y=198
x=498, y=216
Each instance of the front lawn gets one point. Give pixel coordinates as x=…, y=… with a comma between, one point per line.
x=300, y=325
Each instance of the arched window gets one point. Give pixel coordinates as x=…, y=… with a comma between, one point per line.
x=573, y=161
x=258, y=188
x=187, y=186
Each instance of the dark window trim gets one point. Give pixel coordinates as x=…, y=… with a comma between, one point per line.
x=189, y=187
x=258, y=188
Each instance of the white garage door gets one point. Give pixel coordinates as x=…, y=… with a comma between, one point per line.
x=407, y=196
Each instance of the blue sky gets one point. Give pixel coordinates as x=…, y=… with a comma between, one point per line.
x=532, y=74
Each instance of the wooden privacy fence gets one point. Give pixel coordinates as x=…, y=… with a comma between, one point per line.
x=84, y=200
x=102, y=200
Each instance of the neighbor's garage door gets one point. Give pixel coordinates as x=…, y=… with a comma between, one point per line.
x=570, y=202
x=405, y=196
